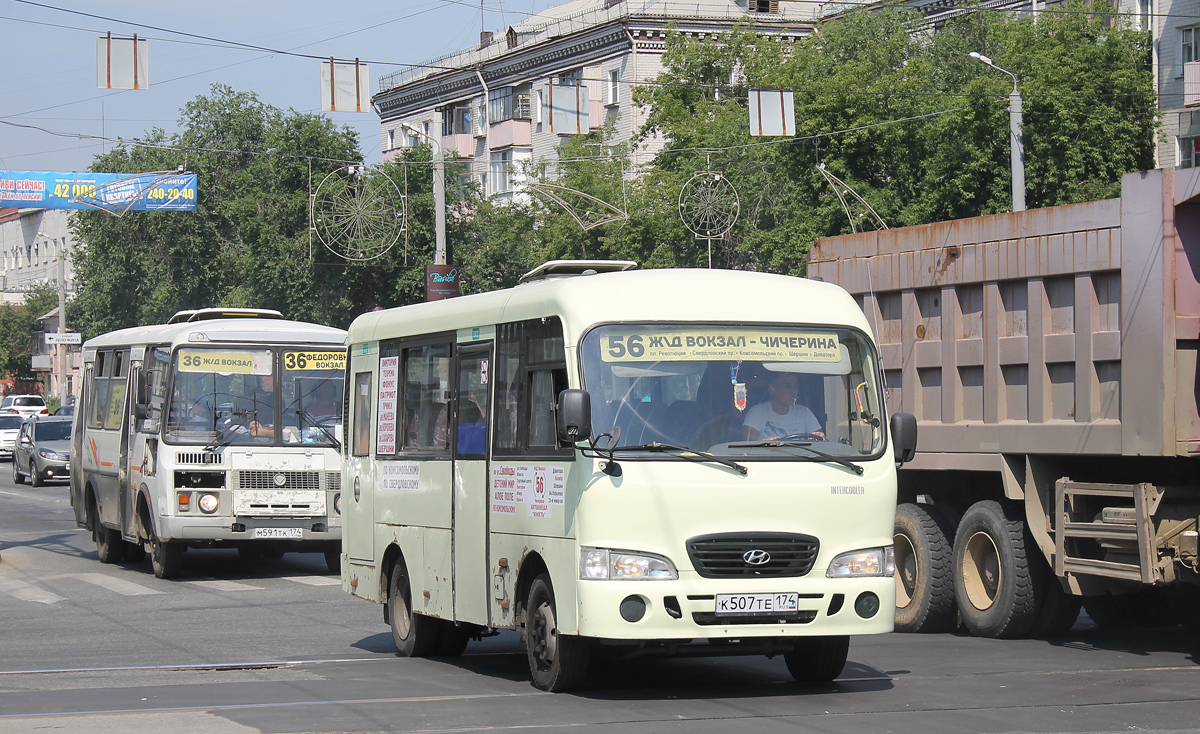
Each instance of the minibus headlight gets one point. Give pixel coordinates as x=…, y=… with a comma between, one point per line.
x=869, y=562
x=208, y=503
x=337, y=503
x=601, y=563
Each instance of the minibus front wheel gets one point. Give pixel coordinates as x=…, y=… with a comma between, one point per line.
x=415, y=635
x=817, y=659
x=557, y=662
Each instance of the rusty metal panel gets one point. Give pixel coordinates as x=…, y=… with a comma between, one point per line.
x=1021, y=332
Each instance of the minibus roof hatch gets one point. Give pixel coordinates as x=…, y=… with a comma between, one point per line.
x=564, y=268
x=208, y=314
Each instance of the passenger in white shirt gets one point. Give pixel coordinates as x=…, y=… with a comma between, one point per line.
x=781, y=415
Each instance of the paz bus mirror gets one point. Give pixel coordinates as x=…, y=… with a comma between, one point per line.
x=573, y=417
x=904, y=436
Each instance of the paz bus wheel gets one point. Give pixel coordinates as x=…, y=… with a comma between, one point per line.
x=924, y=543
x=333, y=559
x=135, y=552
x=997, y=573
x=558, y=662
x=415, y=635
x=817, y=659
x=109, y=546
x=166, y=558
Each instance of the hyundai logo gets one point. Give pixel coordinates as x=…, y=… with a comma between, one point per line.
x=756, y=557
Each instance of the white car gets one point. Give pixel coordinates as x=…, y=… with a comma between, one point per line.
x=23, y=405
x=10, y=425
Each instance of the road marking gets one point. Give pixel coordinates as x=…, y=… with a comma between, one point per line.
x=28, y=592
x=112, y=583
x=223, y=585
x=313, y=580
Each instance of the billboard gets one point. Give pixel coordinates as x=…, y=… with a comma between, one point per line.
x=112, y=192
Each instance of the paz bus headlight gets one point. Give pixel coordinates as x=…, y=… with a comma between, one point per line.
x=601, y=563
x=208, y=503
x=869, y=562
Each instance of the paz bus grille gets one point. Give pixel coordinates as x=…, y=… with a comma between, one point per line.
x=266, y=480
x=724, y=556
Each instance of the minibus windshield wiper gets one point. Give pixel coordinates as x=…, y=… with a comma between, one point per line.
x=799, y=445
x=685, y=453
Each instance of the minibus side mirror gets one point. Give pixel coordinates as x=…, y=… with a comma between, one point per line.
x=573, y=418
x=904, y=436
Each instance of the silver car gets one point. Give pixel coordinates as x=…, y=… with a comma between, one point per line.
x=10, y=425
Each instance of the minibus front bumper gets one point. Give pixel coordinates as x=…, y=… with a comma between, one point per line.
x=241, y=529
x=685, y=609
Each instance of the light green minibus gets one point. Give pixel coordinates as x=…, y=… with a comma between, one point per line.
x=624, y=462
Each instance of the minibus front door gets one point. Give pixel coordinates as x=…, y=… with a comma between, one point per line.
x=470, y=519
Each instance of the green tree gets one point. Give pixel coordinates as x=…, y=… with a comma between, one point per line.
x=18, y=324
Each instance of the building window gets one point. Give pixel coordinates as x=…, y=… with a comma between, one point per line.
x=614, y=86
x=501, y=174
x=572, y=78
x=500, y=105
x=1189, y=152
x=391, y=145
x=1189, y=44
x=766, y=6
x=456, y=121
x=510, y=103
x=1145, y=14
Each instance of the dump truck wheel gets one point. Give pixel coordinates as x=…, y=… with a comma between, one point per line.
x=924, y=545
x=998, y=576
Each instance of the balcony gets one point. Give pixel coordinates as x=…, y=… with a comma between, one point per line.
x=461, y=144
x=1191, y=84
x=511, y=132
x=42, y=363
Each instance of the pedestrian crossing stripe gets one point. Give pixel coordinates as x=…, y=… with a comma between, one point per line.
x=28, y=592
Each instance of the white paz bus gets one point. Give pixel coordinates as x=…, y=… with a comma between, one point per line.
x=689, y=462
x=218, y=428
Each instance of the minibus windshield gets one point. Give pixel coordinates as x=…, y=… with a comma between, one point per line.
x=799, y=393
x=224, y=396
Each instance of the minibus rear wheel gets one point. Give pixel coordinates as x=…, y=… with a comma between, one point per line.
x=817, y=659
x=558, y=662
x=415, y=635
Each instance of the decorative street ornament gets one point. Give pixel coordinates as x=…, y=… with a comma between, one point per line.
x=772, y=112
x=358, y=213
x=709, y=206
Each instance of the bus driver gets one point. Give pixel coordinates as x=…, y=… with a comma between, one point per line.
x=781, y=416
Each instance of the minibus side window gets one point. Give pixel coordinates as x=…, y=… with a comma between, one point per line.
x=425, y=394
x=362, y=414
x=531, y=371
x=98, y=407
x=116, y=390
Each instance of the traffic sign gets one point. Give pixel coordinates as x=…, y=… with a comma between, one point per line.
x=69, y=337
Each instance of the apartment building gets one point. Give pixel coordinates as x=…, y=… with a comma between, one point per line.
x=509, y=102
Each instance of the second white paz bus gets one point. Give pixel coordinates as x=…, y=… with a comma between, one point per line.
x=219, y=428
x=688, y=462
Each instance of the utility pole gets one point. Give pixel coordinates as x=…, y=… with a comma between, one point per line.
x=439, y=194
x=1016, y=136
x=62, y=325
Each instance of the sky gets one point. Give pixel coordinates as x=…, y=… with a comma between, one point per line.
x=48, y=51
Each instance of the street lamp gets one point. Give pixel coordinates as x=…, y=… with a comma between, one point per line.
x=439, y=194
x=1017, y=140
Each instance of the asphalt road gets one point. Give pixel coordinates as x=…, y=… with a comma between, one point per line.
x=276, y=646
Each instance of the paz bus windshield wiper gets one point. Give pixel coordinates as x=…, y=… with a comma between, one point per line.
x=799, y=445
x=685, y=453
x=312, y=422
